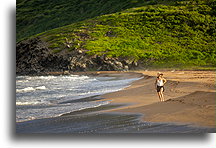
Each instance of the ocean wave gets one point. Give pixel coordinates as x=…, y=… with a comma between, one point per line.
x=98, y=92
x=27, y=103
x=102, y=103
x=40, y=87
x=21, y=81
x=76, y=77
x=38, y=77
x=57, y=111
x=30, y=89
x=50, y=91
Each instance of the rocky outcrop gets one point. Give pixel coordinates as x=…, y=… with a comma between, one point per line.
x=34, y=57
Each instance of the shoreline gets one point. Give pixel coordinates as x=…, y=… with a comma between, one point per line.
x=189, y=107
x=190, y=98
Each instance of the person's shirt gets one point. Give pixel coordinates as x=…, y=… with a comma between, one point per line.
x=160, y=82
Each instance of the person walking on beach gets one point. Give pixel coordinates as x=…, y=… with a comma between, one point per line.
x=159, y=85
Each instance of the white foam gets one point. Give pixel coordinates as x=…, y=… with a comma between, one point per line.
x=101, y=103
x=21, y=81
x=30, y=89
x=50, y=91
x=47, y=77
x=39, y=77
x=75, y=77
x=27, y=103
x=40, y=87
x=27, y=89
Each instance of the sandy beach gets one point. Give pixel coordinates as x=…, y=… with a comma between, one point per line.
x=190, y=98
x=189, y=107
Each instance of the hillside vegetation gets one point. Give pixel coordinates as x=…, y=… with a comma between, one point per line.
x=177, y=34
x=35, y=16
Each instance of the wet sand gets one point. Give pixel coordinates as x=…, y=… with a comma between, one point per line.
x=95, y=121
x=190, y=98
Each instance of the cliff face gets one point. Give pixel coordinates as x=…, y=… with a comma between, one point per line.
x=34, y=57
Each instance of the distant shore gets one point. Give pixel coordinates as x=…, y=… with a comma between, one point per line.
x=190, y=97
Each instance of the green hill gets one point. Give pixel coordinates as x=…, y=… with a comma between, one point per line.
x=35, y=16
x=177, y=34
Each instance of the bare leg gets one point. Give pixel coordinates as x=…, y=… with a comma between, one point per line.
x=161, y=94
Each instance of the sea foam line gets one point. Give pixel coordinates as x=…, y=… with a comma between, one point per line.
x=27, y=103
x=83, y=108
x=29, y=89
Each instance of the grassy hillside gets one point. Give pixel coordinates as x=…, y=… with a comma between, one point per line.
x=167, y=35
x=35, y=16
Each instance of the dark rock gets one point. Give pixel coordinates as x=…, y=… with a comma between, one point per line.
x=34, y=57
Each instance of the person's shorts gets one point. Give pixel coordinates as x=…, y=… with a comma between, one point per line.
x=159, y=88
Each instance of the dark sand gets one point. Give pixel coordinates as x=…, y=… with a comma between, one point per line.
x=94, y=121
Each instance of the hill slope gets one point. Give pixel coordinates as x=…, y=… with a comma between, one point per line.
x=35, y=16
x=153, y=35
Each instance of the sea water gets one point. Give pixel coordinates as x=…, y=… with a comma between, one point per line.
x=50, y=96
